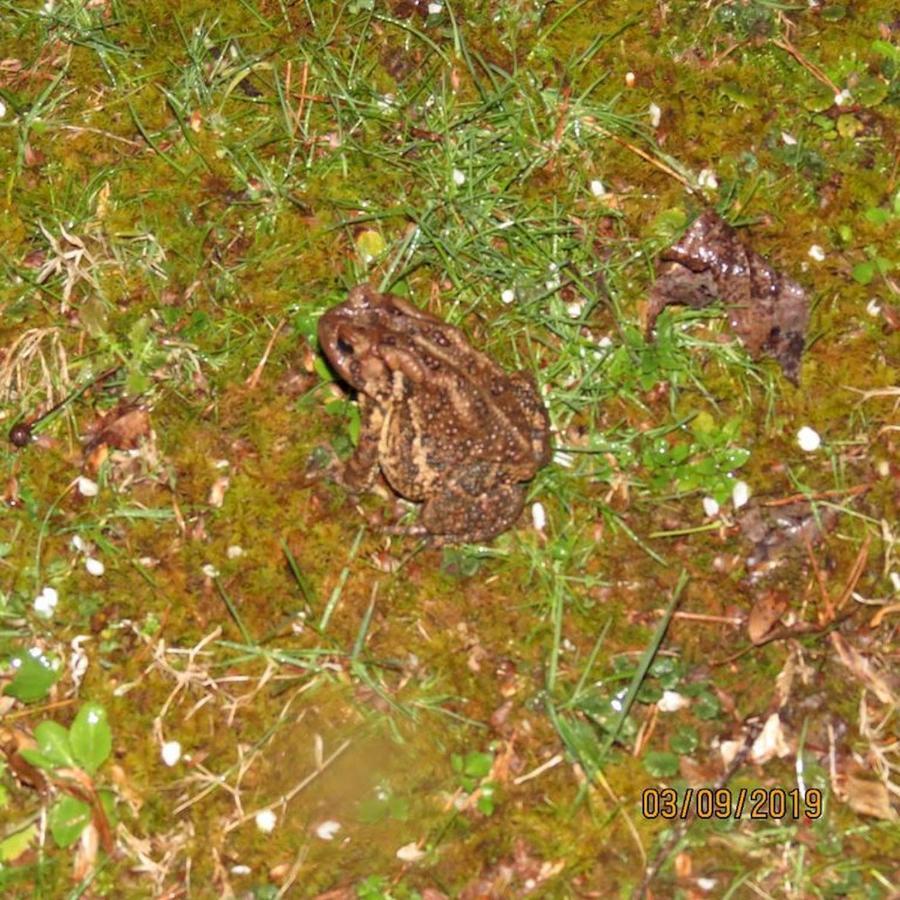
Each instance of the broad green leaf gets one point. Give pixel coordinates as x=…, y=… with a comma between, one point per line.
x=53, y=744
x=16, y=844
x=661, y=764
x=90, y=737
x=35, y=675
x=68, y=818
x=863, y=272
x=685, y=740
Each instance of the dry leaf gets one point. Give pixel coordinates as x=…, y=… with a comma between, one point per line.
x=766, y=612
x=766, y=310
x=868, y=798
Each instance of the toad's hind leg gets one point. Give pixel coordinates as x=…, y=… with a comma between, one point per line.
x=461, y=516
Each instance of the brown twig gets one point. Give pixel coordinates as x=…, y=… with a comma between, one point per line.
x=253, y=379
x=813, y=69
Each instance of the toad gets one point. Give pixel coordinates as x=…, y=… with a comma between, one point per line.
x=442, y=422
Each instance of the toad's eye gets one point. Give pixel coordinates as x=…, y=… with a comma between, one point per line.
x=344, y=347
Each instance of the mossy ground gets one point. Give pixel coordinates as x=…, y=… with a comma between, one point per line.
x=229, y=170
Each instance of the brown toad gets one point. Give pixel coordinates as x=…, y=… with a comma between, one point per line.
x=444, y=423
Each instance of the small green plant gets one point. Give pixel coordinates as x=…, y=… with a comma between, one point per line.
x=472, y=770
x=71, y=758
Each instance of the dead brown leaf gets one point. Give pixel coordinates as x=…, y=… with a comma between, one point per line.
x=767, y=310
x=766, y=612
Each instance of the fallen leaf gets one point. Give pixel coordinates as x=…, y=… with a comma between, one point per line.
x=766, y=310
x=766, y=612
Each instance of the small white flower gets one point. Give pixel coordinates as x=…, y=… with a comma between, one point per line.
x=597, y=188
x=86, y=487
x=655, y=115
x=707, y=179
x=234, y=551
x=170, y=753
x=508, y=296
x=710, y=507
x=328, y=829
x=435, y=9
x=873, y=307
x=808, y=439
x=209, y=570
x=740, y=494
x=816, y=252
x=672, y=701
x=842, y=97
x=789, y=139
x=266, y=821
x=459, y=178
x=410, y=852
x=94, y=566
x=46, y=602
x=538, y=516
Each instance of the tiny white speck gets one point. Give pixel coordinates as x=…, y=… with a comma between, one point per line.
x=240, y=869
x=77, y=543
x=597, y=188
x=574, y=309
x=816, y=252
x=808, y=439
x=538, y=516
x=94, y=566
x=221, y=464
x=706, y=884
x=672, y=701
x=655, y=115
x=710, y=507
x=508, y=296
x=551, y=284
x=2, y=109
x=171, y=752
x=895, y=580
x=629, y=79
x=873, y=307
x=435, y=9
x=842, y=97
x=328, y=829
x=234, y=551
x=93, y=717
x=86, y=487
x=266, y=820
x=740, y=494
x=209, y=570
x=459, y=178
x=410, y=853
x=707, y=179
x=789, y=139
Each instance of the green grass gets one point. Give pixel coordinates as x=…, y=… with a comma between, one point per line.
x=184, y=192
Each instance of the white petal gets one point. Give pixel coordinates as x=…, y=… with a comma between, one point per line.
x=459, y=178
x=86, y=487
x=171, y=752
x=94, y=566
x=655, y=115
x=597, y=188
x=710, y=507
x=740, y=494
x=410, y=852
x=266, y=821
x=808, y=439
x=538, y=516
x=328, y=829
